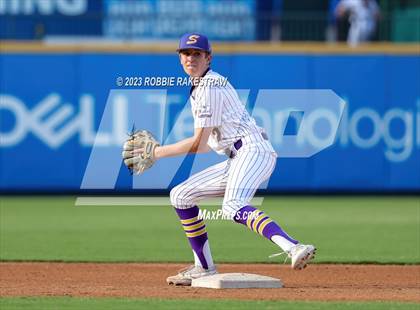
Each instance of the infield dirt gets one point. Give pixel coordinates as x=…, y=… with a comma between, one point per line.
x=317, y=282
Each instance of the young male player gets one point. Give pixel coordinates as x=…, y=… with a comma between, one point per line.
x=221, y=123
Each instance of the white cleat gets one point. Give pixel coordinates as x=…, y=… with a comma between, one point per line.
x=300, y=255
x=186, y=275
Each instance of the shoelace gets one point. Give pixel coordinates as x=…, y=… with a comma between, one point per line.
x=279, y=254
x=186, y=269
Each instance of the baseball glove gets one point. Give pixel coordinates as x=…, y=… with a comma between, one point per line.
x=138, y=151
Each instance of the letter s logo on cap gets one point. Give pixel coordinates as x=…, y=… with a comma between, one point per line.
x=192, y=39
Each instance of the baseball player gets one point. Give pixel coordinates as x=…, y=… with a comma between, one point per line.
x=364, y=15
x=222, y=124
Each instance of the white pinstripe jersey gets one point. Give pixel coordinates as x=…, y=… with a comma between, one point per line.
x=217, y=104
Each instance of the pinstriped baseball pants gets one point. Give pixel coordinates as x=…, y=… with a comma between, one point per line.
x=236, y=179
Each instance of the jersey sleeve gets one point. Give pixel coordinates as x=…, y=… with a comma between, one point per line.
x=209, y=107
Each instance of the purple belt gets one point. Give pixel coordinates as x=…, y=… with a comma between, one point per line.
x=238, y=144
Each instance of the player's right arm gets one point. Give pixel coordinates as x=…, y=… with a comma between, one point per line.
x=195, y=144
x=208, y=116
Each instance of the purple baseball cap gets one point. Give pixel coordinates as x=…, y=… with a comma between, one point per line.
x=195, y=41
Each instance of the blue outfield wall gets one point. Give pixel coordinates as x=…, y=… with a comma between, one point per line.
x=51, y=106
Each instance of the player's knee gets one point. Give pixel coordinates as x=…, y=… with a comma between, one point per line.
x=174, y=195
x=179, y=196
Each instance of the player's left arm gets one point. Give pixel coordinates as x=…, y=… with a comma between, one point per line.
x=195, y=144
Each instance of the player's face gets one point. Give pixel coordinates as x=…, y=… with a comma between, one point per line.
x=194, y=62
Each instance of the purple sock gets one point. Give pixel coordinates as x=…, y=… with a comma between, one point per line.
x=259, y=222
x=195, y=229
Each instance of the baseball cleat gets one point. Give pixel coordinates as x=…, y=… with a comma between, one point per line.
x=186, y=275
x=300, y=255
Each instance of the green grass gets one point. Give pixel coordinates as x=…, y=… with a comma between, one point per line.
x=65, y=303
x=345, y=229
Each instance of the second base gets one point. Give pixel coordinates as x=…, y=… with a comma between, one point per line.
x=237, y=280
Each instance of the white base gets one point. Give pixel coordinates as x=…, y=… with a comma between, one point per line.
x=237, y=280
